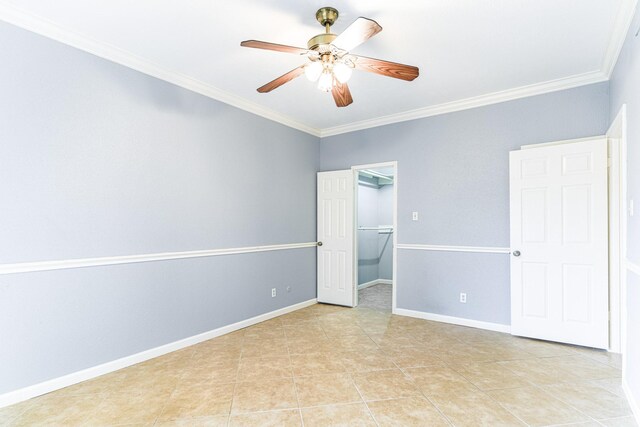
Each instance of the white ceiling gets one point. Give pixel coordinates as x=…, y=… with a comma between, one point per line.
x=470, y=52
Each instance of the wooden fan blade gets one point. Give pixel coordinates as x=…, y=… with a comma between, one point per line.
x=341, y=94
x=257, y=44
x=361, y=30
x=287, y=77
x=386, y=68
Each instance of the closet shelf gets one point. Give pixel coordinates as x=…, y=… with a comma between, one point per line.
x=381, y=229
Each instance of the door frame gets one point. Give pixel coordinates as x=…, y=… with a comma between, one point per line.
x=394, y=281
x=617, y=138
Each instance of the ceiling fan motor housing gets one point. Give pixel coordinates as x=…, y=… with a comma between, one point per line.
x=325, y=39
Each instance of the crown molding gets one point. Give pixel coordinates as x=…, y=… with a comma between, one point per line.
x=466, y=104
x=624, y=18
x=49, y=29
x=44, y=27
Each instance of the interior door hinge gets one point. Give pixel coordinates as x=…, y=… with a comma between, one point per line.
x=608, y=162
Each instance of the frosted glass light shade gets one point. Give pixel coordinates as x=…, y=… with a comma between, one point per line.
x=312, y=71
x=325, y=83
x=342, y=72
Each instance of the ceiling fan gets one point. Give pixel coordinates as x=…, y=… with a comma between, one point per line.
x=329, y=59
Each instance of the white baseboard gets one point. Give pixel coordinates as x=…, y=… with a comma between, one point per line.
x=454, y=320
x=374, y=282
x=635, y=406
x=48, y=386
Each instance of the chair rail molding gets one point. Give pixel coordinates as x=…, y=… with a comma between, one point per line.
x=28, y=267
x=445, y=248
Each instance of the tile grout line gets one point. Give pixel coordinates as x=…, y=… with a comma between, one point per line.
x=479, y=390
x=427, y=397
x=235, y=384
x=615, y=418
x=365, y=402
x=295, y=385
x=358, y=389
x=166, y=402
x=569, y=404
x=295, y=390
x=500, y=404
x=534, y=385
x=437, y=408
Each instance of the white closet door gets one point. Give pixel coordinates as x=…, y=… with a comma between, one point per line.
x=336, y=236
x=559, y=243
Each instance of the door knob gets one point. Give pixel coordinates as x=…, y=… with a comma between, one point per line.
x=319, y=243
x=516, y=253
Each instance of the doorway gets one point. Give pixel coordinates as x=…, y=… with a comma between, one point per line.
x=338, y=247
x=374, y=255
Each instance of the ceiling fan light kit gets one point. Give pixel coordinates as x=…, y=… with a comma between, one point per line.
x=342, y=72
x=330, y=62
x=312, y=71
x=325, y=82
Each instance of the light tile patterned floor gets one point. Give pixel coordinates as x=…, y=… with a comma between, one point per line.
x=327, y=365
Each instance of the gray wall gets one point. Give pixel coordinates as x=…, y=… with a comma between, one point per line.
x=625, y=89
x=99, y=160
x=453, y=170
x=385, y=241
x=368, y=258
x=375, y=250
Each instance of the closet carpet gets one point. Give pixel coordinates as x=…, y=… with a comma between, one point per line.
x=377, y=297
x=327, y=366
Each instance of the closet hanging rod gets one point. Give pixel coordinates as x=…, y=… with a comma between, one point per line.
x=378, y=175
x=378, y=228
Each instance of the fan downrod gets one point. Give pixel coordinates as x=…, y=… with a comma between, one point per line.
x=326, y=16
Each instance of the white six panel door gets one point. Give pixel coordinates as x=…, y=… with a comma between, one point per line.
x=559, y=225
x=336, y=232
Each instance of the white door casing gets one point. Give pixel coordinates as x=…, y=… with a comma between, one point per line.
x=336, y=232
x=559, y=225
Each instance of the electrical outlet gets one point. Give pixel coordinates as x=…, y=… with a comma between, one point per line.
x=463, y=297
x=414, y=216
x=273, y=292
